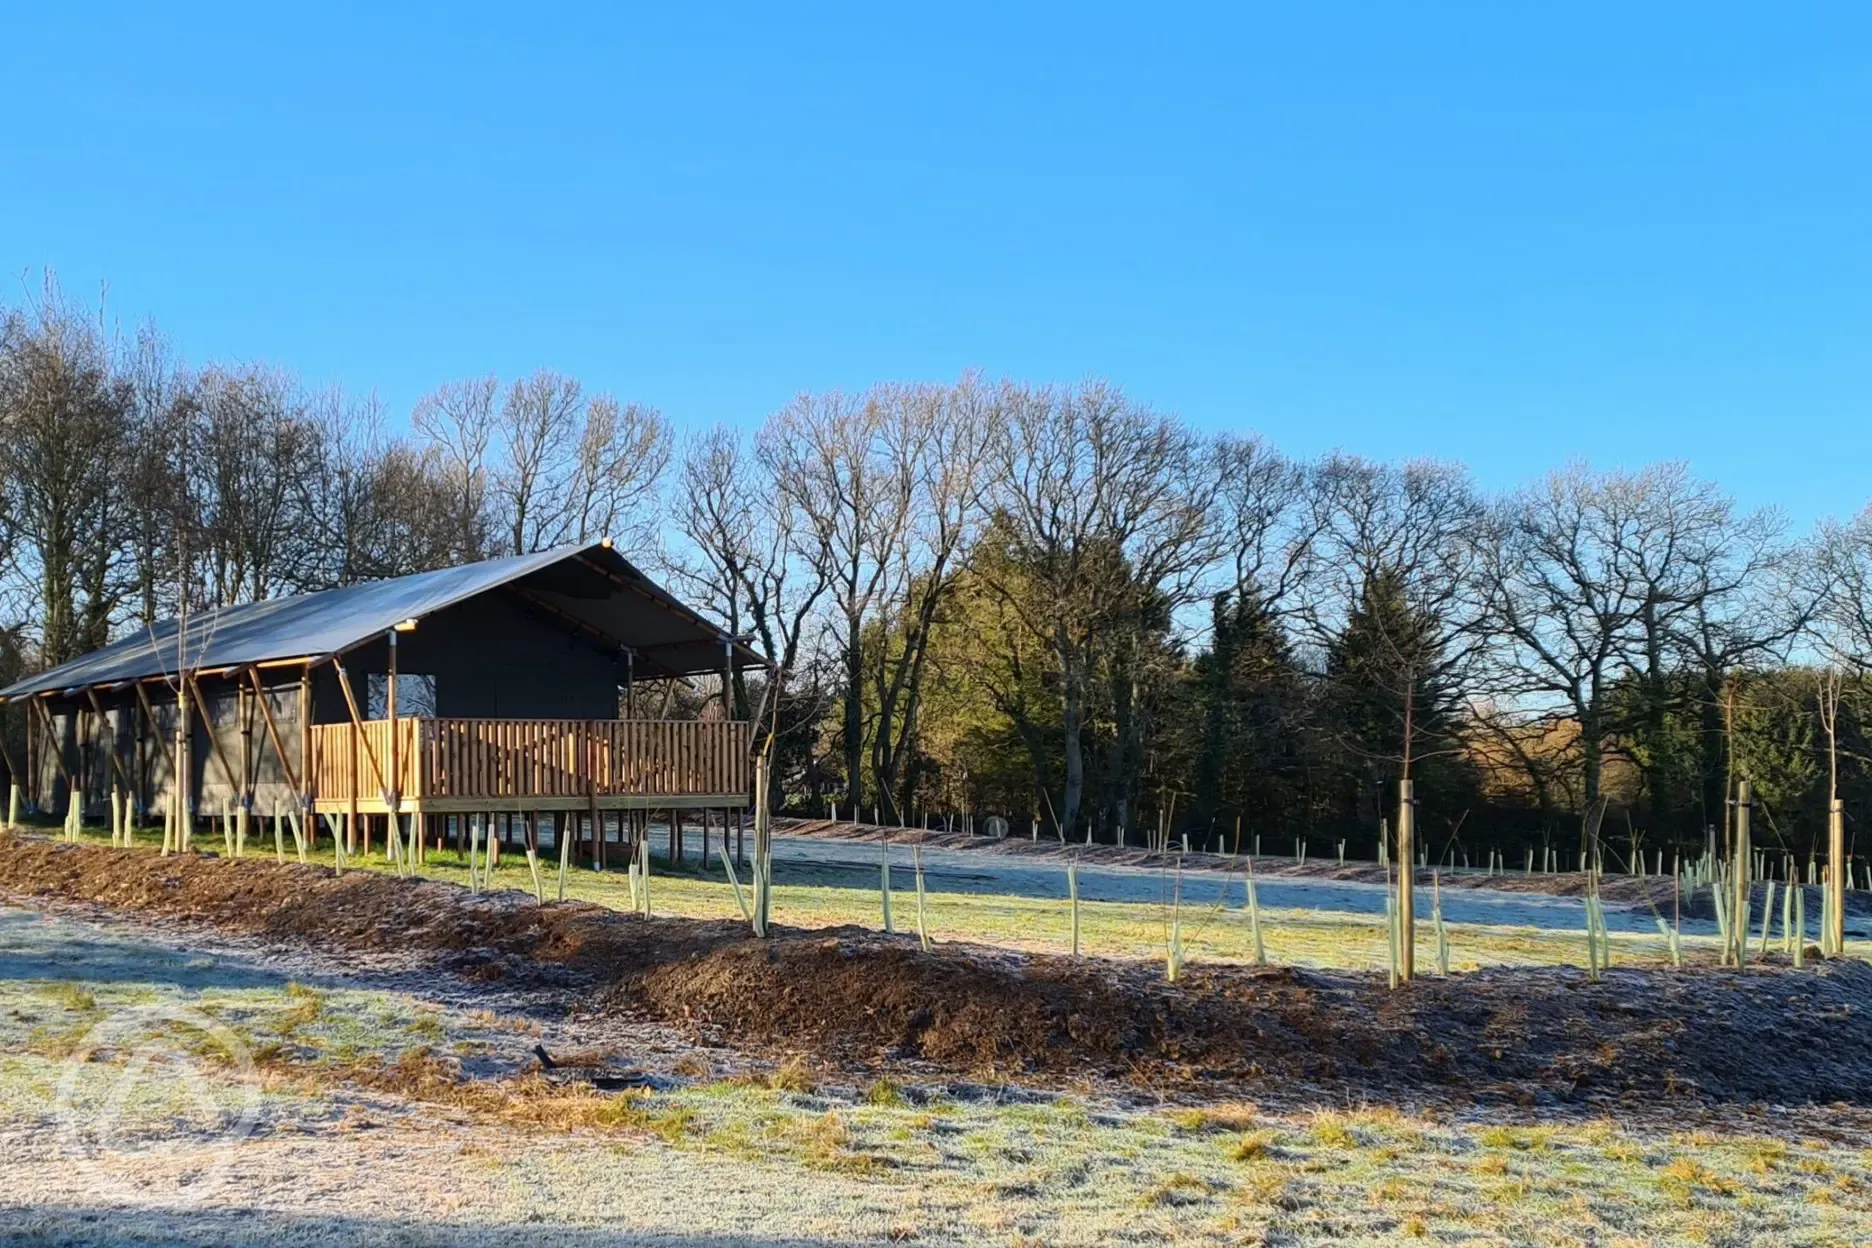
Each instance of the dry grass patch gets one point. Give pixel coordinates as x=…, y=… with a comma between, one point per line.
x=793, y=1075
x=1332, y=1129
x=1227, y=1116
x=1255, y=1145
x=1180, y=1188
x=885, y=1093
x=1684, y=1179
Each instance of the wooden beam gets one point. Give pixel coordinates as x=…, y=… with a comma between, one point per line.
x=244, y=721
x=52, y=741
x=566, y=617
x=116, y=764
x=273, y=731
x=149, y=712
x=214, y=743
x=357, y=728
x=6, y=756
x=305, y=728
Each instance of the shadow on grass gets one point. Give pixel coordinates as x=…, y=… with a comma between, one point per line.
x=34, y=946
x=103, y=1225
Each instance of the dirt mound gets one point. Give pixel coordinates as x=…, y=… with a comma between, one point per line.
x=862, y=998
x=1518, y=1034
x=363, y=910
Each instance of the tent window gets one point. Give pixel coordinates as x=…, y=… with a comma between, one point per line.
x=415, y=695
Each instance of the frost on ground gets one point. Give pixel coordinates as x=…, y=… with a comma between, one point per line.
x=167, y=1081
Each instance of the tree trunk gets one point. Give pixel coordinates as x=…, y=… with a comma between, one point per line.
x=1072, y=729
x=854, y=715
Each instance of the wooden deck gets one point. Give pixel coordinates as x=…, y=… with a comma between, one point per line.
x=446, y=766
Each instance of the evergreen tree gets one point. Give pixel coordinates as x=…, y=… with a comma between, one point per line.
x=1389, y=707
x=1249, y=700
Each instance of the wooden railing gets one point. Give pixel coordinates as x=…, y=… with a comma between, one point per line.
x=460, y=759
x=342, y=759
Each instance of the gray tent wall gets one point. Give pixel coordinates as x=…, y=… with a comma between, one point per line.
x=141, y=752
x=491, y=658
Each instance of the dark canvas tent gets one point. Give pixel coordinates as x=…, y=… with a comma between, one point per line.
x=560, y=635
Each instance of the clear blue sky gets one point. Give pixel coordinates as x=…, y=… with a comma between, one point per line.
x=1475, y=231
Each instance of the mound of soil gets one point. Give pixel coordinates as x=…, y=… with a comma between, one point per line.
x=1765, y=1034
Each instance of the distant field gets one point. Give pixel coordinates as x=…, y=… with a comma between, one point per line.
x=1293, y=937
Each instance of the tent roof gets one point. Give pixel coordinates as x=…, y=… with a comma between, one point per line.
x=592, y=590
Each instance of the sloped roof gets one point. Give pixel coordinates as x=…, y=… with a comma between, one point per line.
x=591, y=589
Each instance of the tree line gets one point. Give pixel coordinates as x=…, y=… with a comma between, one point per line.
x=1049, y=602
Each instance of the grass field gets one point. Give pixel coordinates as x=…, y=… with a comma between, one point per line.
x=432, y=1119
x=933, y=1166
x=1292, y=937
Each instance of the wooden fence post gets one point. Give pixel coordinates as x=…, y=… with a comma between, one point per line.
x=1407, y=862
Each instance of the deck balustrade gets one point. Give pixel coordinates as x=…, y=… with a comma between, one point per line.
x=443, y=765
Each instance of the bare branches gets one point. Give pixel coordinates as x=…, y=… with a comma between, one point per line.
x=457, y=419
x=1101, y=522
x=63, y=402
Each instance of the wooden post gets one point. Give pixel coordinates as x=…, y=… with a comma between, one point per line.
x=13, y=778
x=244, y=708
x=392, y=795
x=214, y=743
x=103, y=720
x=81, y=742
x=358, y=737
x=149, y=716
x=243, y=711
x=1744, y=854
x=141, y=791
x=57, y=749
x=675, y=836
x=763, y=847
x=1836, y=878
x=307, y=796
x=1407, y=861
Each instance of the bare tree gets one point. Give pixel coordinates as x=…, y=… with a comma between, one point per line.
x=1269, y=535
x=1730, y=593
x=1102, y=506
x=253, y=432
x=853, y=488
x=622, y=451
x=1843, y=613
x=538, y=432
x=1596, y=576
x=943, y=434
x=63, y=405
x=375, y=505
x=1397, y=548
x=743, y=560
x=163, y=400
x=457, y=419
x=553, y=466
